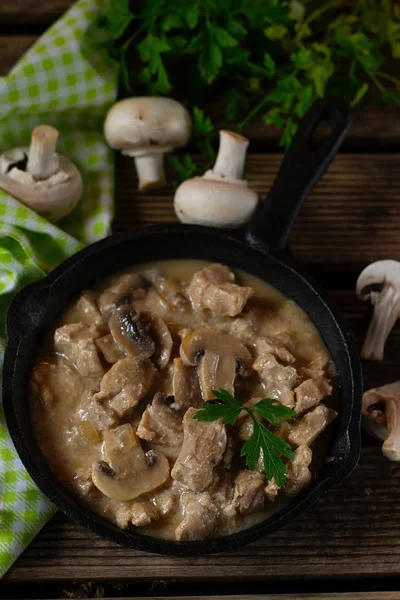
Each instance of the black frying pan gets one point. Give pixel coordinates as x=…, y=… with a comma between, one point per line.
x=263, y=252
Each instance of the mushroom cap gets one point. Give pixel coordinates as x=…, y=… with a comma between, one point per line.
x=374, y=277
x=216, y=202
x=127, y=471
x=147, y=125
x=53, y=198
x=13, y=157
x=196, y=343
x=161, y=336
x=130, y=331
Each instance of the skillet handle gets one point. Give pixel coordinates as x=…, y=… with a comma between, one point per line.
x=304, y=164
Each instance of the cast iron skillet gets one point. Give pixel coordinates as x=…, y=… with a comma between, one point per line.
x=263, y=252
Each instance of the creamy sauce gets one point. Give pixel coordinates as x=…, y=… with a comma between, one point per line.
x=71, y=446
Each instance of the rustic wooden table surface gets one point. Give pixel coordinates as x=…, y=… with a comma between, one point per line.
x=350, y=541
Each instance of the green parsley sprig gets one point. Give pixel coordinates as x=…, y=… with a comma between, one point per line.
x=268, y=60
x=273, y=447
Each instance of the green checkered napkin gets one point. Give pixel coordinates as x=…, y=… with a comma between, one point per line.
x=54, y=84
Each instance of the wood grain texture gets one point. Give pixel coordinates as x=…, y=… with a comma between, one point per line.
x=32, y=13
x=356, y=202
x=12, y=48
x=349, y=596
x=353, y=532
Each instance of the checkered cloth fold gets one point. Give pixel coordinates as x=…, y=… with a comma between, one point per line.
x=54, y=84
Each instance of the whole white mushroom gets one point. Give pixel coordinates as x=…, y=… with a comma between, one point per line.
x=47, y=182
x=146, y=128
x=380, y=284
x=220, y=198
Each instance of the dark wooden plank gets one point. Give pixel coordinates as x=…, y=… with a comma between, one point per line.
x=371, y=123
x=349, y=596
x=12, y=48
x=357, y=202
x=17, y=13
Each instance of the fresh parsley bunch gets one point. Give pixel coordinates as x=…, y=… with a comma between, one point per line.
x=262, y=439
x=263, y=58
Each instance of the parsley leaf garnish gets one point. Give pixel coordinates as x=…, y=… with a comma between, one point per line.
x=227, y=408
x=268, y=60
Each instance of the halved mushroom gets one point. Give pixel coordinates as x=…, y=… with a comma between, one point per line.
x=219, y=358
x=161, y=336
x=380, y=283
x=127, y=471
x=381, y=410
x=131, y=331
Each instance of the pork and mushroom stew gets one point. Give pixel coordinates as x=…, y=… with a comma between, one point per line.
x=125, y=408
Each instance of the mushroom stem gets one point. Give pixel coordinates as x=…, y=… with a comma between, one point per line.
x=150, y=170
x=42, y=161
x=391, y=447
x=231, y=154
x=386, y=313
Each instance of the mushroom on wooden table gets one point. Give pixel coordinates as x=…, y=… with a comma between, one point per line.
x=381, y=417
x=380, y=284
x=220, y=198
x=146, y=128
x=47, y=182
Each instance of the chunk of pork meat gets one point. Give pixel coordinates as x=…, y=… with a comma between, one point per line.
x=200, y=518
x=87, y=310
x=278, y=381
x=305, y=431
x=167, y=500
x=249, y=492
x=245, y=326
x=310, y=393
x=213, y=289
x=271, y=490
x=202, y=450
x=298, y=473
x=126, y=383
x=77, y=343
x=83, y=483
x=95, y=412
x=264, y=345
x=56, y=382
x=316, y=368
x=139, y=514
x=111, y=352
x=162, y=427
